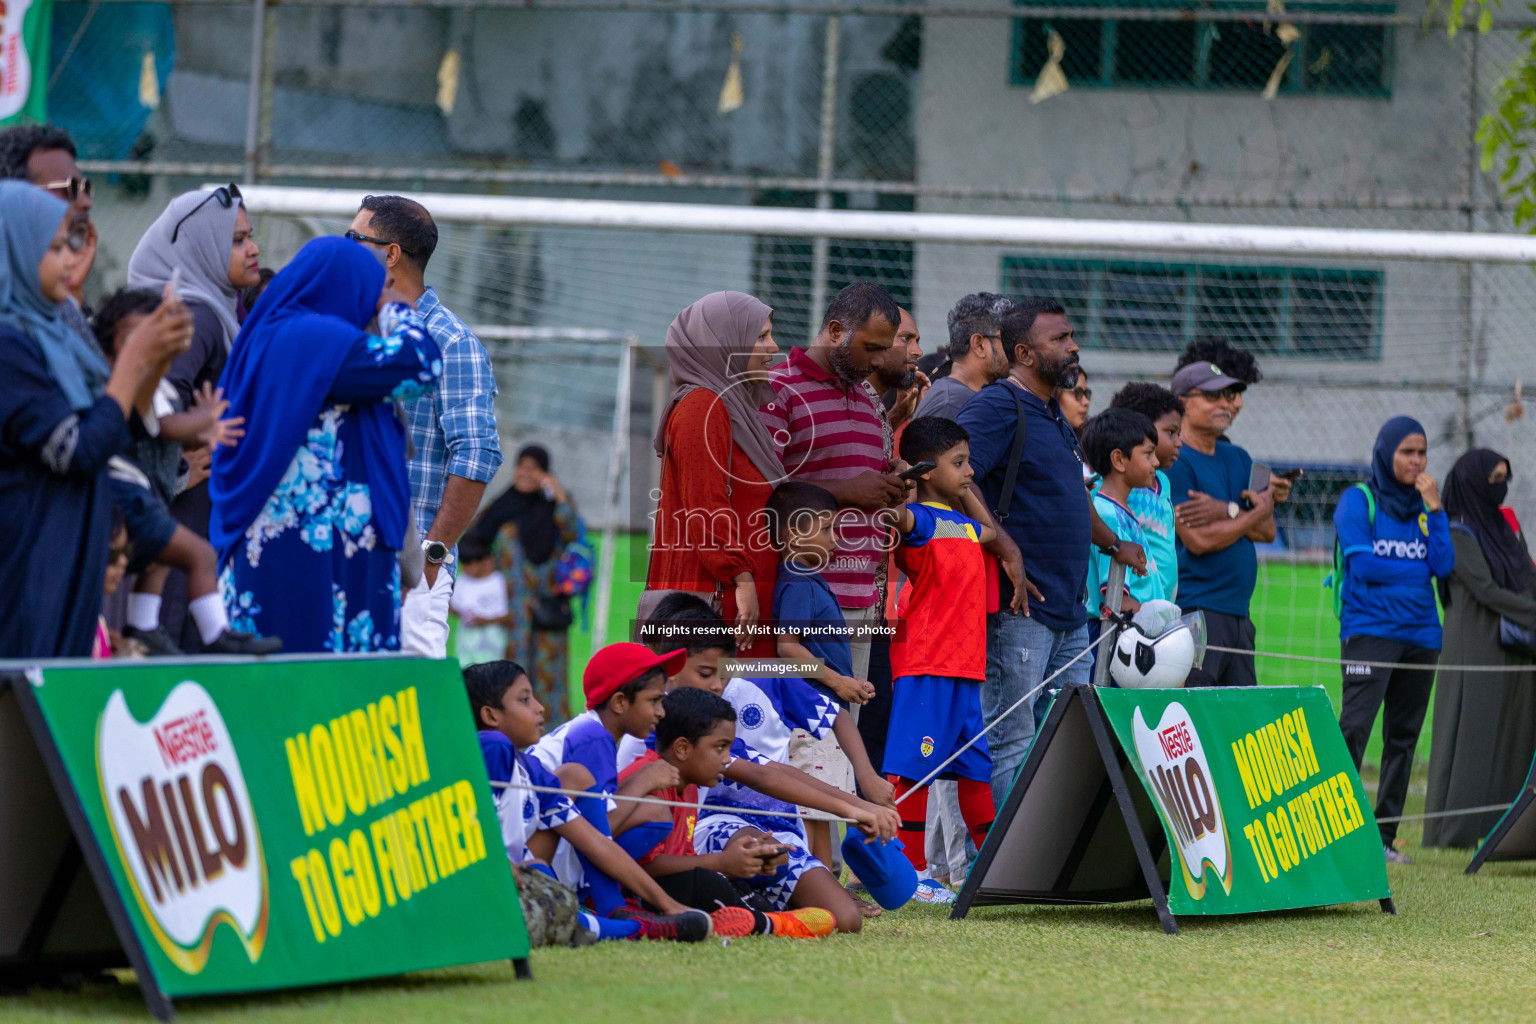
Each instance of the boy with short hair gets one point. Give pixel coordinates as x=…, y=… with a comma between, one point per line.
x=939, y=655
x=809, y=625
x=1153, y=506
x=1121, y=446
x=682, y=620
x=479, y=599
x=761, y=778
x=697, y=736
x=145, y=481
x=509, y=720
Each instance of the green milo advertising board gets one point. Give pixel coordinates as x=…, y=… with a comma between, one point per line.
x=25, y=30
x=282, y=823
x=1258, y=797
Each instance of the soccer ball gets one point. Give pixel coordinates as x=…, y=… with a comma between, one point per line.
x=1158, y=648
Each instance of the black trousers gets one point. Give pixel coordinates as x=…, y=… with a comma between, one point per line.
x=875, y=716
x=1402, y=695
x=709, y=890
x=1222, y=668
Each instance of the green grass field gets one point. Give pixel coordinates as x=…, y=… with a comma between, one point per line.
x=1458, y=946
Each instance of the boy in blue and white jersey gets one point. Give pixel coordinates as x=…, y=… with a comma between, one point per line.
x=624, y=684
x=532, y=823
x=767, y=713
x=1153, y=506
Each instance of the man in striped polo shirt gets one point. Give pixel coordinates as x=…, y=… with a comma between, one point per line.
x=827, y=429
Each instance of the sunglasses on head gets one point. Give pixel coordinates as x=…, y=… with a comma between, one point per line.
x=70, y=188
x=227, y=195
x=358, y=236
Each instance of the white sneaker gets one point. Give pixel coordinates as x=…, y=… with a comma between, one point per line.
x=929, y=891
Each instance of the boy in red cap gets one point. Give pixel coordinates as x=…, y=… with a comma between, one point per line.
x=624, y=684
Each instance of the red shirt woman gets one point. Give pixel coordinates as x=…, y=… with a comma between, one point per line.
x=718, y=463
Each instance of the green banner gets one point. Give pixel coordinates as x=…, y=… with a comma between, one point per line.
x=285, y=823
x=1261, y=804
x=26, y=29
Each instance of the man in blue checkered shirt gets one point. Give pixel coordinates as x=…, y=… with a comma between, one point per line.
x=453, y=430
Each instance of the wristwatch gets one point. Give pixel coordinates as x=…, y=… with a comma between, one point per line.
x=1233, y=510
x=1110, y=549
x=436, y=552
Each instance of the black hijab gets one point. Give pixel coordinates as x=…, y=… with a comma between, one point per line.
x=1474, y=503
x=532, y=513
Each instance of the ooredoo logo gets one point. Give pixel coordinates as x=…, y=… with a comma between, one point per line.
x=183, y=824
x=1415, y=549
x=1174, y=761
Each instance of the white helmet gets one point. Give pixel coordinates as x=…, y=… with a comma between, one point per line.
x=1158, y=647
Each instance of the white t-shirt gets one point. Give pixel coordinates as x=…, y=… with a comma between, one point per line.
x=482, y=598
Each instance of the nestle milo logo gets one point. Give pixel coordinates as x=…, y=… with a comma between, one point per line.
x=1179, y=775
x=183, y=824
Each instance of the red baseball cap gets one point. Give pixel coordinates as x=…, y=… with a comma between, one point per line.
x=617, y=665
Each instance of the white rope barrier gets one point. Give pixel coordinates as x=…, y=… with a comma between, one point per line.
x=1446, y=814
x=1016, y=705
x=588, y=794
x=1375, y=664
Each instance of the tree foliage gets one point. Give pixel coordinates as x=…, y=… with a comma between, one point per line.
x=1506, y=131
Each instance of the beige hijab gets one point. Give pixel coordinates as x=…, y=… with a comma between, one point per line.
x=707, y=347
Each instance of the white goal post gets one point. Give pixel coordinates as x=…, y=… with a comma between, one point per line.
x=602, y=582
x=1046, y=232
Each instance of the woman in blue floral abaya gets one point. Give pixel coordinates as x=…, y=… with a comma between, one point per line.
x=310, y=510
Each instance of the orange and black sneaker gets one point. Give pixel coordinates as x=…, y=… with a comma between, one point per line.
x=734, y=922
x=806, y=923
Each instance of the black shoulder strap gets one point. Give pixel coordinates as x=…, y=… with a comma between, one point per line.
x=1011, y=476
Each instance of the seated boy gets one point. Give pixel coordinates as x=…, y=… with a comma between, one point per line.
x=939, y=654
x=699, y=631
x=697, y=736
x=479, y=599
x=624, y=684
x=809, y=626
x=509, y=720
x=144, y=483
x=1121, y=446
x=1153, y=506
x=767, y=710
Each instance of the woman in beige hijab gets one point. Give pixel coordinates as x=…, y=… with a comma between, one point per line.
x=718, y=463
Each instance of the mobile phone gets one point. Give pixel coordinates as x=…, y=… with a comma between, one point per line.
x=1259, y=479
x=1292, y=474
x=918, y=470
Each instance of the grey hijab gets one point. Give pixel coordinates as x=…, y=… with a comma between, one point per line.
x=707, y=347
x=201, y=250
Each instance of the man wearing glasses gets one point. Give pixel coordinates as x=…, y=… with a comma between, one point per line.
x=975, y=351
x=45, y=156
x=1217, y=563
x=453, y=429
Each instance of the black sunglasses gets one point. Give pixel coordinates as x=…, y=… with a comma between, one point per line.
x=227, y=195
x=1230, y=392
x=358, y=236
